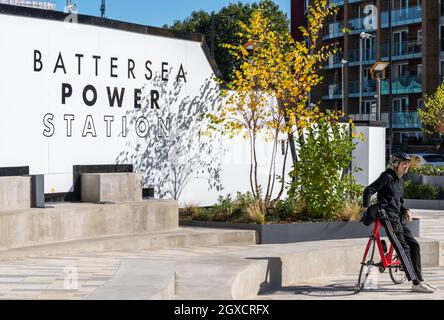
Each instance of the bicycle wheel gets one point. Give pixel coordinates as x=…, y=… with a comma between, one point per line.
x=397, y=273
x=366, y=267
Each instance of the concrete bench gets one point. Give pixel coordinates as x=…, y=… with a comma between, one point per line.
x=111, y=187
x=15, y=193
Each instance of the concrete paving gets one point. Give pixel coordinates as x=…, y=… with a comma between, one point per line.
x=381, y=286
x=342, y=288
x=221, y=272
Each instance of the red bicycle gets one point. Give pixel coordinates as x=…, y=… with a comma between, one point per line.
x=389, y=259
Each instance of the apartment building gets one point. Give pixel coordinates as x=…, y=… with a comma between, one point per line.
x=410, y=38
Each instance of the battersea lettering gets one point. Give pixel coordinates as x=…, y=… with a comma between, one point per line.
x=93, y=67
x=111, y=66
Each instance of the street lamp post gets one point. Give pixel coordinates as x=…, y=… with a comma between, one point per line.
x=363, y=36
x=378, y=73
x=343, y=63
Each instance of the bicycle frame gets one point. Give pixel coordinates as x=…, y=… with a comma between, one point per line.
x=386, y=260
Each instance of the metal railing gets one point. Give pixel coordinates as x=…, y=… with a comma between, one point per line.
x=334, y=61
x=400, y=120
x=332, y=91
x=337, y=2
x=402, y=50
x=333, y=30
x=403, y=120
x=368, y=88
x=402, y=16
x=368, y=55
x=403, y=84
x=363, y=117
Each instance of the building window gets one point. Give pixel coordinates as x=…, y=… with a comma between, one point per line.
x=419, y=37
x=400, y=105
x=411, y=138
x=369, y=107
x=400, y=4
x=419, y=71
x=420, y=105
x=441, y=36
x=399, y=42
x=441, y=68
x=400, y=70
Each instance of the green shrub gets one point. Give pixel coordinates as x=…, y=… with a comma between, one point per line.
x=429, y=170
x=244, y=208
x=290, y=210
x=420, y=191
x=441, y=193
x=318, y=177
x=188, y=213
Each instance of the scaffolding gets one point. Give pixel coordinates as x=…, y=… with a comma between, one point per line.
x=46, y=5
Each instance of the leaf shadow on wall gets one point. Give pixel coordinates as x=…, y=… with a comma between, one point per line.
x=177, y=147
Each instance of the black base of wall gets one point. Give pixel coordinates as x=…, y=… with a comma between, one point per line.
x=61, y=197
x=14, y=171
x=148, y=192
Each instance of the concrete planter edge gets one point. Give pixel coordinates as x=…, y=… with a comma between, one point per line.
x=300, y=232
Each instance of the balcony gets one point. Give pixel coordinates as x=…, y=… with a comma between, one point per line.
x=332, y=91
x=400, y=120
x=401, y=17
x=403, y=120
x=356, y=26
x=400, y=85
x=403, y=85
x=354, y=1
x=363, y=117
x=333, y=30
x=368, y=57
x=368, y=88
x=401, y=51
x=337, y=2
x=334, y=61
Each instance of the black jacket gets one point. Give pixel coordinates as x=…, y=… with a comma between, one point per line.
x=390, y=189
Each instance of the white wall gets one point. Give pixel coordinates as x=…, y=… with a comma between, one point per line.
x=235, y=173
x=369, y=154
x=27, y=96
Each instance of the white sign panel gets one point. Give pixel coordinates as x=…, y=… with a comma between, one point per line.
x=74, y=94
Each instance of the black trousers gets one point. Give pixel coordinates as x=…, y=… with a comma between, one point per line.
x=406, y=247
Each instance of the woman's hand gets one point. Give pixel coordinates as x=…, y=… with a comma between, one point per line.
x=409, y=215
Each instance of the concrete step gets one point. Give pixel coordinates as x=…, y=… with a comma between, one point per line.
x=182, y=237
x=77, y=221
x=139, y=280
x=215, y=272
x=246, y=273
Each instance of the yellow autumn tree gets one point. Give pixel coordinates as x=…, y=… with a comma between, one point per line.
x=432, y=116
x=274, y=67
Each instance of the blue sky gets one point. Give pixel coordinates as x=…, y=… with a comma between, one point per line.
x=155, y=12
